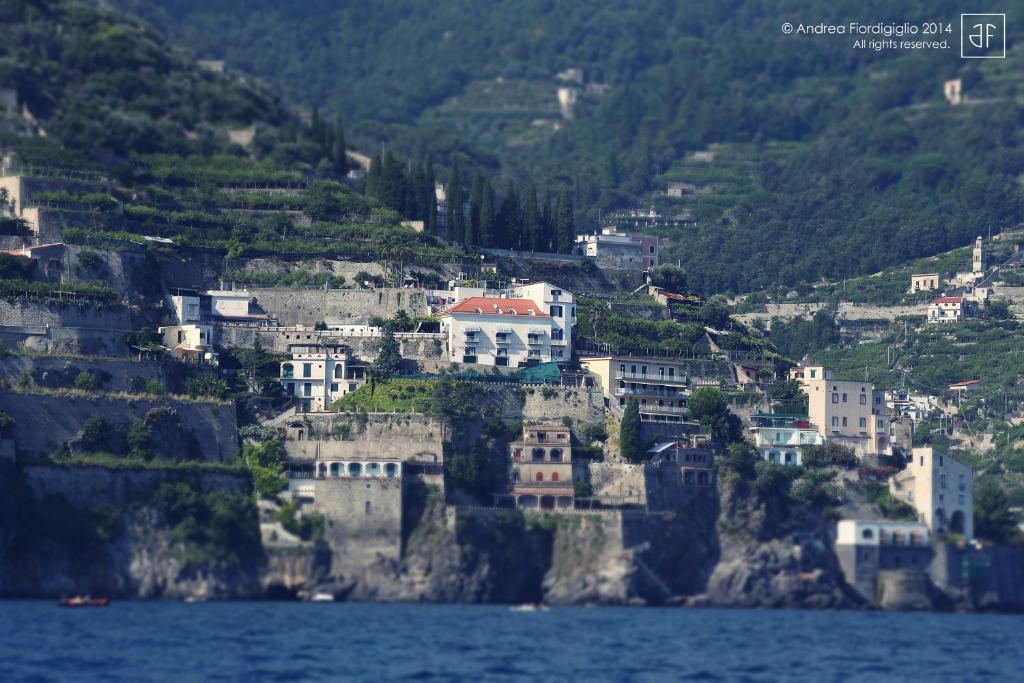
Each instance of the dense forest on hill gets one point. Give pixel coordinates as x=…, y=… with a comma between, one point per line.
x=877, y=175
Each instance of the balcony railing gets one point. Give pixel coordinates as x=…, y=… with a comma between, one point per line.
x=626, y=391
x=655, y=408
x=656, y=379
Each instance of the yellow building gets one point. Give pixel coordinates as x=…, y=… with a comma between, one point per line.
x=940, y=489
x=850, y=413
x=925, y=282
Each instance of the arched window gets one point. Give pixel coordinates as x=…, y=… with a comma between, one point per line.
x=339, y=371
x=867, y=534
x=538, y=454
x=355, y=469
x=540, y=476
x=287, y=371
x=554, y=476
x=556, y=455
x=373, y=469
x=390, y=469
x=335, y=469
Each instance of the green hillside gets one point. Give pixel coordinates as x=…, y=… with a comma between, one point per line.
x=854, y=161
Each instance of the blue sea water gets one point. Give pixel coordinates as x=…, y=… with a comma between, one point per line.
x=140, y=641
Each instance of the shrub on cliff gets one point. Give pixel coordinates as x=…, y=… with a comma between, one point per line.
x=993, y=519
x=630, y=444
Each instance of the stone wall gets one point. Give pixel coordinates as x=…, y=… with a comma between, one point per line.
x=580, y=404
x=363, y=522
x=20, y=312
x=373, y=436
x=90, y=487
x=60, y=371
x=309, y=306
x=418, y=347
x=44, y=422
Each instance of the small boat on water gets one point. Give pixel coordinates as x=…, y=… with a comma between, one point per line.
x=322, y=596
x=530, y=607
x=84, y=601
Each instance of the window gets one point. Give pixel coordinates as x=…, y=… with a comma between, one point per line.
x=557, y=334
x=334, y=388
x=538, y=454
x=554, y=476
x=922, y=461
x=671, y=373
x=368, y=508
x=867, y=534
x=307, y=389
x=961, y=484
x=643, y=370
x=650, y=249
x=942, y=461
x=844, y=421
x=942, y=481
x=863, y=423
x=540, y=476
x=556, y=455
x=622, y=369
x=814, y=373
x=555, y=311
x=835, y=421
x=863, y=400
x=835, y=398
x=844, y=397
x=307, y=369
x=517, y=454
x=960, y=499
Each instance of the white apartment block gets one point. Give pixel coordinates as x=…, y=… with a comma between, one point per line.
x=947, y=309
x=940, y=489
x=780, y=439
x=319, y=374
x=500, y=331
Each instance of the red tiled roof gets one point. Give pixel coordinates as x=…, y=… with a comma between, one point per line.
x=965, y=383
x=950, y=300
x=489, y=305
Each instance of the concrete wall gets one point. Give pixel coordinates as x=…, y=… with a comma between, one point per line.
x=45, y=422
x=363, y=521
x=308, y=306
x=89, y=487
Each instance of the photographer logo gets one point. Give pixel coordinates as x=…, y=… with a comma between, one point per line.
x=983, y=36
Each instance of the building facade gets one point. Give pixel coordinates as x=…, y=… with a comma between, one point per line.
x=660, y=385
x=866, y=547
x=612, y=248
x=947, y=309
x=541, y=468
x=780, y=439
x=561, y=306
x=847, y=412
x=940, y=489
x=925, y=282
x=319, y=374
x=693, y=454
x=500, y=331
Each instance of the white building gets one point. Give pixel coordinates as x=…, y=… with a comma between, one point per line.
x=780, y=438
x=620, y=250
x=191, y=306
x=319, y=374
x=946, y=309
x=940, y=489
x=499, y=331
x=561, y=306
x=191, y=342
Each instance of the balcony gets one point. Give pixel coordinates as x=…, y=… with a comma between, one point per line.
x=651, y=378
x=671, y=395
x=654, y=408
x=502, y=339
x=534, y=340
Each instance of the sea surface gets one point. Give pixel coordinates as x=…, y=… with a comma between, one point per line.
x=144, y=641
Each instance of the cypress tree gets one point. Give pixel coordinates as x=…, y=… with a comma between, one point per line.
x=417, y=200
x=487, y=215
x=630, y=446
x=565, y=223
x=531, y=221
x=374, y=179
x=338, y=156
x=546, y=224
x=430, y=198
x=393, y=183
x=509, y=221
x=455, y=226
x=475, y=200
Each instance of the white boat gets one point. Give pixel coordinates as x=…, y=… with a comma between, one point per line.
x=531, y=607
x=322, y=597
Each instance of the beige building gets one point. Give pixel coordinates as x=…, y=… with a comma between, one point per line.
x=659, y=384
x=947, y=309
x=846, y=412
x=940, y=489
x=541, y=468
x=924, y=282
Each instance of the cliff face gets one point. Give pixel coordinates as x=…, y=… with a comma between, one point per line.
x=123, y=547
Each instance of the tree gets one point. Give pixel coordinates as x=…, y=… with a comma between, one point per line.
x=509, y=220
x=475, y=201
x=531, y=221
x=565, y=223
x=322, y=202
x=630, y=443
x=374, y=178
x=672, y=278
x=389, y=357
x=993, y=520
x=455, y=225
x=708, y=406
x=429, y=199
x=487, y=237
x=338, y=155
x=393, y=184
